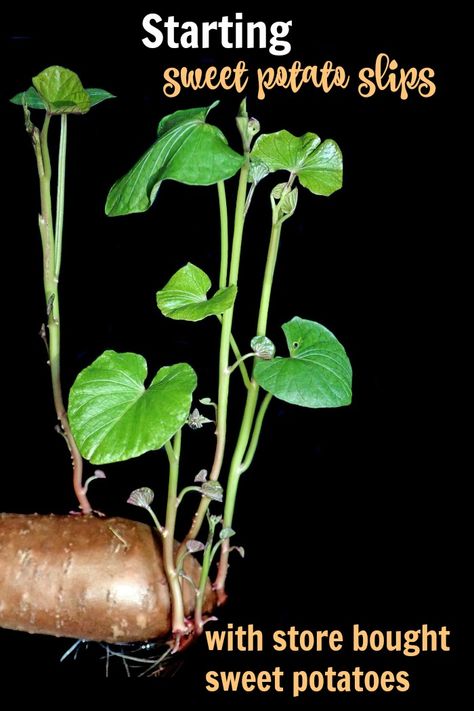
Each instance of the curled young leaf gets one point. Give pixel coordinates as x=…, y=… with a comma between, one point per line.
x=184, y=296
x=239, y=549
x=201, y=476
x=194, y=546
x=213, y=490
x=263, y=347
x=196, y=420
x=277, y=191
x=142, y=497
x=61, y=91
x=288, y=203
x=226, y=533
x=214, y=520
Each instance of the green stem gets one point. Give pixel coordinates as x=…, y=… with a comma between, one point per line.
x=226, y=333
x=177, y=605
x=237, y=466
x=158, y=525
x=232, y=485
x=50, y=279
x=268, y=278
x=186, y=490
x=238, y=357
x=250, y=453
x=239, y=362
x=60, y=196
x=224, y=234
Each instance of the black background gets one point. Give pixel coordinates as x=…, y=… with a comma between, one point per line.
x=348, y=515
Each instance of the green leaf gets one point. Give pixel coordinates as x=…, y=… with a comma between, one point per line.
x=34, y=101
x=62, y=91
x=188, y=150
x=97, y=96
x=317, y=165
x=114, y=417
x=317, y=373
x=30, y=97
x=184, y=296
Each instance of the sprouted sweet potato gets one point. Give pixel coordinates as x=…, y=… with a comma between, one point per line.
x=116, y=580
x=88, y=578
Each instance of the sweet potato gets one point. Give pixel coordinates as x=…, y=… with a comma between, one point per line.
x=88, y=578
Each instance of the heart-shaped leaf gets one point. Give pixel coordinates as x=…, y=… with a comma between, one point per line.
x=188, y=150
x=114, y=417
x=33, y=100
x=184, y=296
x=317, y=165
x=62, y=91
x=318, y=372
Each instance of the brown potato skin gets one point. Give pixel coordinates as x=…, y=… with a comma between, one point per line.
x=87, y=578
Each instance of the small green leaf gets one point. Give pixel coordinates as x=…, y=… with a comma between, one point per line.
x=142, y=497
x=317, y=165
x=188, y=150
x=62, y=91
x=114, y=417
x=213, y=490
x=288, y=203
x=263, y=347
x=317, y=373
x=194, y=546
x=30, y=97
x=201, y=476
x=278, y=191
x=97, y=96
x=196, y=420
x=213, y=519
x=226, y=533
x=184, y=296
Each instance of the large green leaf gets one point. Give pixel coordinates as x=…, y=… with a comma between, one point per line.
x=188, y=150
x=33, y=100
x=184, y=296
x=317, y=165
x=317, y=373
x=114, y=417
x=62, y=91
